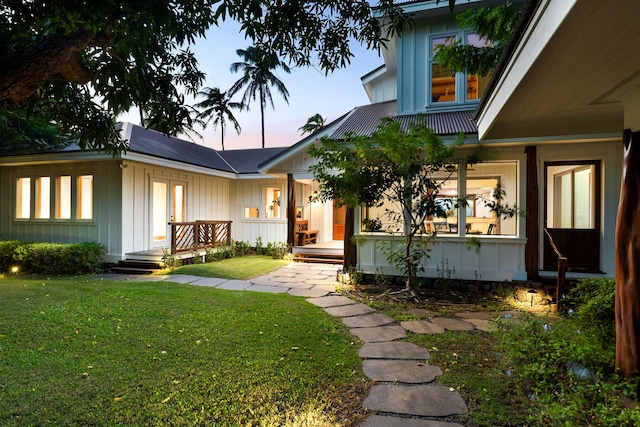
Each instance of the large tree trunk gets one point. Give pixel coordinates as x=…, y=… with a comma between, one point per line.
x=627, y=306
x=350, y=249
x=532, y=248
x=52, y=58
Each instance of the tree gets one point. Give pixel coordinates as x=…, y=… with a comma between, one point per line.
x=314, y=123
x=68, y=68
x=407, y=169
x=494, y=24
x=257, y=67
x=218, y=107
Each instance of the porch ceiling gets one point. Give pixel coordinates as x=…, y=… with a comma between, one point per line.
x=574, y=68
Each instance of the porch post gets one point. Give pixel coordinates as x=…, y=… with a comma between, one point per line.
x=291, y=210
x=627, y=256
x=531, y=249
x=350, y=250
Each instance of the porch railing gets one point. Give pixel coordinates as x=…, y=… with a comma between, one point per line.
x=186, y=236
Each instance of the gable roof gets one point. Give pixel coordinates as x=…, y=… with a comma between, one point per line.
x=247, y=161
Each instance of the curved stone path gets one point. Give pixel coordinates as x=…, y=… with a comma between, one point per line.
x=405, y=393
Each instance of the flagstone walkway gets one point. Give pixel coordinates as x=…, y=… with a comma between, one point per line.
x=405, y=393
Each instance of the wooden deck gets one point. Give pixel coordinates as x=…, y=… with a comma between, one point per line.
x=325, y=252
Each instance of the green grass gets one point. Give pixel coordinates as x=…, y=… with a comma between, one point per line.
x=239, y=268
x=78, y=351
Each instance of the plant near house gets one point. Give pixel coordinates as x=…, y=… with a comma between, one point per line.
x=57, y=258
x=169, y=259
x=7, y=250
x=404, y=167
x=259, y=246
x=371, y=224
x=277, y=250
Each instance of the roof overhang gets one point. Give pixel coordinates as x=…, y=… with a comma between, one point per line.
x=572, y=71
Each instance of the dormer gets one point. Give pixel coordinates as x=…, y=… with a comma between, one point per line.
x=410, y=74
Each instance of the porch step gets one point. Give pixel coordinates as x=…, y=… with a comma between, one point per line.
x=318, y=257
x=129, y=266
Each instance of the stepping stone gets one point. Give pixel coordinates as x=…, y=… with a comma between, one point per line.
x=183, y=278
x=149, y=278
x=481, y=325
x=404, y=371
x=349, y=310
x=481, y=315
x=235, y=285
x=422, y=327
x=209, y=281
x=267, y=289
x=452, y=324
x=384, y=421
x=308, y=293
x=368, y=321
x=328, y=288
x=421, y=312
x=331, y=301
x=379, y=333
x=423, y=400
x=393, y=350
x=285, y=280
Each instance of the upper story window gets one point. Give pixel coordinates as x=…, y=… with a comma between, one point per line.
x=447, y=86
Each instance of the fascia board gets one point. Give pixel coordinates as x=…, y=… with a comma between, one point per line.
x=144, y=158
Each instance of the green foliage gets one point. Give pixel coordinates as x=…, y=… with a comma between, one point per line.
x=170, y=261
x=371, y=224
x=277, y=250
x=218, y=108
x=60, y=259
x=314, y=123
x=76, y=66
x=259, y=246
x=7, y=249
x=568, y=365
x=493, y=24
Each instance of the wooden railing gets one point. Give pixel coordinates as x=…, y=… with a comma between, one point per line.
x=562, y=271
x=186, y=236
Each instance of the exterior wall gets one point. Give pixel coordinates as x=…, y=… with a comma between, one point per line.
x=206, y=198
x=107, y=215
x=384, y=88
x=244, y=193
x=413, y=63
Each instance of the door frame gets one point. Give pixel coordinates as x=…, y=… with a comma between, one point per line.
x=169, y=210
x=573, y=242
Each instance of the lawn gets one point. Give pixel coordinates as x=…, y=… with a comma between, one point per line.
x=80, y=351
x=239, y=268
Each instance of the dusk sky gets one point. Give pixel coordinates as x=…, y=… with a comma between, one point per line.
x=310, y=92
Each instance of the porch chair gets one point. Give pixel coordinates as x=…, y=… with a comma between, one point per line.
x=304, y=235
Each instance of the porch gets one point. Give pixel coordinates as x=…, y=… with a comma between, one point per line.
x=331, y=252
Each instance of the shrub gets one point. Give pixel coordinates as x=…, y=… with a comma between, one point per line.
x=242, y=248
x=277, y=250
x=7, y=249
x=568, y=367
x=60, y=259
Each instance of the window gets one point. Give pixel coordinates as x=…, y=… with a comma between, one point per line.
x=447, y=86
x=43, y=197
x=272, y=202
x=159, y=226
x=23, y=198
x=63, y=197
x=251, y=213
x=54, y=195
x=85, y=197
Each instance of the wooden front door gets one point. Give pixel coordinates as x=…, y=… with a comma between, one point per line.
x=339, y=215
x=572, y=215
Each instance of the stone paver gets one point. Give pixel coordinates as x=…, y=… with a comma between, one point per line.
x=403, y=371
x=481, y=315
x=209, y=281
x=331, y=301
x=393, y=350
x=452, y=324
x=182, y=278
x=379, y=333
x=235, y=285
x=349, y=310
x=386, y=421
x=368, y=321
x=308, y=293
x=423, y=400
x=422, y=327
x=150, y=278
x=267, y=289
x=481, y=324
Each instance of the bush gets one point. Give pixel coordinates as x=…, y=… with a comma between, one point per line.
x=567, y=367
x=277, y=250
x=7, y=249
x=60, y=259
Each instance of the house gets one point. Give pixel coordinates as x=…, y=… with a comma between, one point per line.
x=554, y=113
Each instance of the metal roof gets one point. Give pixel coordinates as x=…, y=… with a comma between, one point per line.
x=247, y=161
x=365, y=120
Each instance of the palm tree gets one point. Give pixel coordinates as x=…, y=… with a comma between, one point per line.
x=216, y=106
x=314, y=123
x=258, y=75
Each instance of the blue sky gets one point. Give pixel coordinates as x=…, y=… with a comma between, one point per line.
x=310, y=92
